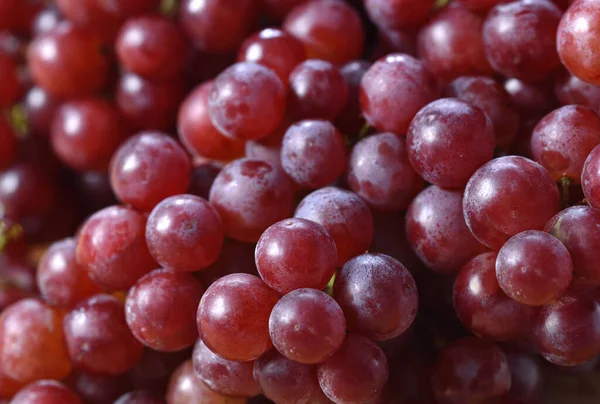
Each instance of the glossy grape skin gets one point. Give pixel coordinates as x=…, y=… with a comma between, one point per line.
x=313, y=153
x=226, y=377
x=520, y=39
x=489, y=95
x=275, y=49
x=437, y=232
x=570, y=89
x=233, y=317
x=378, y=296
x=398, y=14
x=281, y=255
x=112, y=248
x=98, y=339
x=531, y=99
x=307, y=326
x=379, y=172
x=344, y=215
x=8, y=145
x=46, y=392
x=40, y=106
x=329, y=29
x=506, y=196
x=198, y=134
x=448, y=140
x=483, y=307
x=567, y=332
x=151, y=46
x=256, y=150
x=247, y=101
x=251, y=195
x=30, y=326
x=139, y=397
x=61, y=280
x=148, y=105
x=160, y=310
x=91, y=15
x=576, y=227
x=577, y=42
x=317, y=90
x=68, y=61
x=470, y=370
x=356, y=373
x=443, y=43
x=562, y=140
x=85, y=133
x=186, y=387
x=11, y=81
x=26, y=190
x=215, y=25
x=393, y=90
x=590, y=176
x=148, y=168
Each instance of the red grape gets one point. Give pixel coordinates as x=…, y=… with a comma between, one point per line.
x=11, y=89
x=91, y=15
x=40, y=106
x=448, y=140
x=329, y=29
x=393, y=90
x=202, y=177
x=526, y=377
x=378, y=296
x=26, y=190
x=531, y=99
x=112, y=248
x=98, y=338
x=398, y=14
x=128, y=8
x=506, y=196
x=247, y=101
x=590, y=177
x=46, y=392
x=98, y=389
x=8, y=145
x=139, y=397
x=350, y=120
x=233, y=317
x=235, y=257
x=571, y=89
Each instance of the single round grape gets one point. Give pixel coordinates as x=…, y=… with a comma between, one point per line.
x=506, y=196
x=93, y=16
x=489, y=95
x=317, y=90
x=307, y=326
x=563, y=139
x=378, y=296
x=576, y=227
x=379, y=172
x=149, y=105
x=275, y=49
x=567, y=332
x=344, y=215
x=247, y=101
x=139, y=397
x=437, y=232
x=399, y=14
x=26, y=190
x=151, y=46
x=356, y=373
x=218, y=26
x=112, y=249
x=570, y=89
x=531, y=99
x=160, y=310
x=61, y=280
x=313, y=153
x=534, y=268
x=186, y=387
x=202, y=177
x=520, y=39
x=393, y=90
x=257, y=150
x=184, y=233
x=8, y=145
x=281, y=255
x=40, y=106
x=197, y=132
x=483, y=307
x=350, y=120
x=11, y=89
x=233, y=317
x=577, y=40
x=590, y=177
x=86, y=132
x=148, y=168
x=451, y=44
x=224, y=376
x=251, y=195
x=470, y=370
x=329, y=29
x=448, y=140
x=98, y=338
x=32, y=343
x=46, y=392
x=68, y=61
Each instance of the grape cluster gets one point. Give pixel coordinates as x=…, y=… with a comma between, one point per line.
x=298, y=201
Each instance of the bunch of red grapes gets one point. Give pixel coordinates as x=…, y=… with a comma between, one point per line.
x=298, y=202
